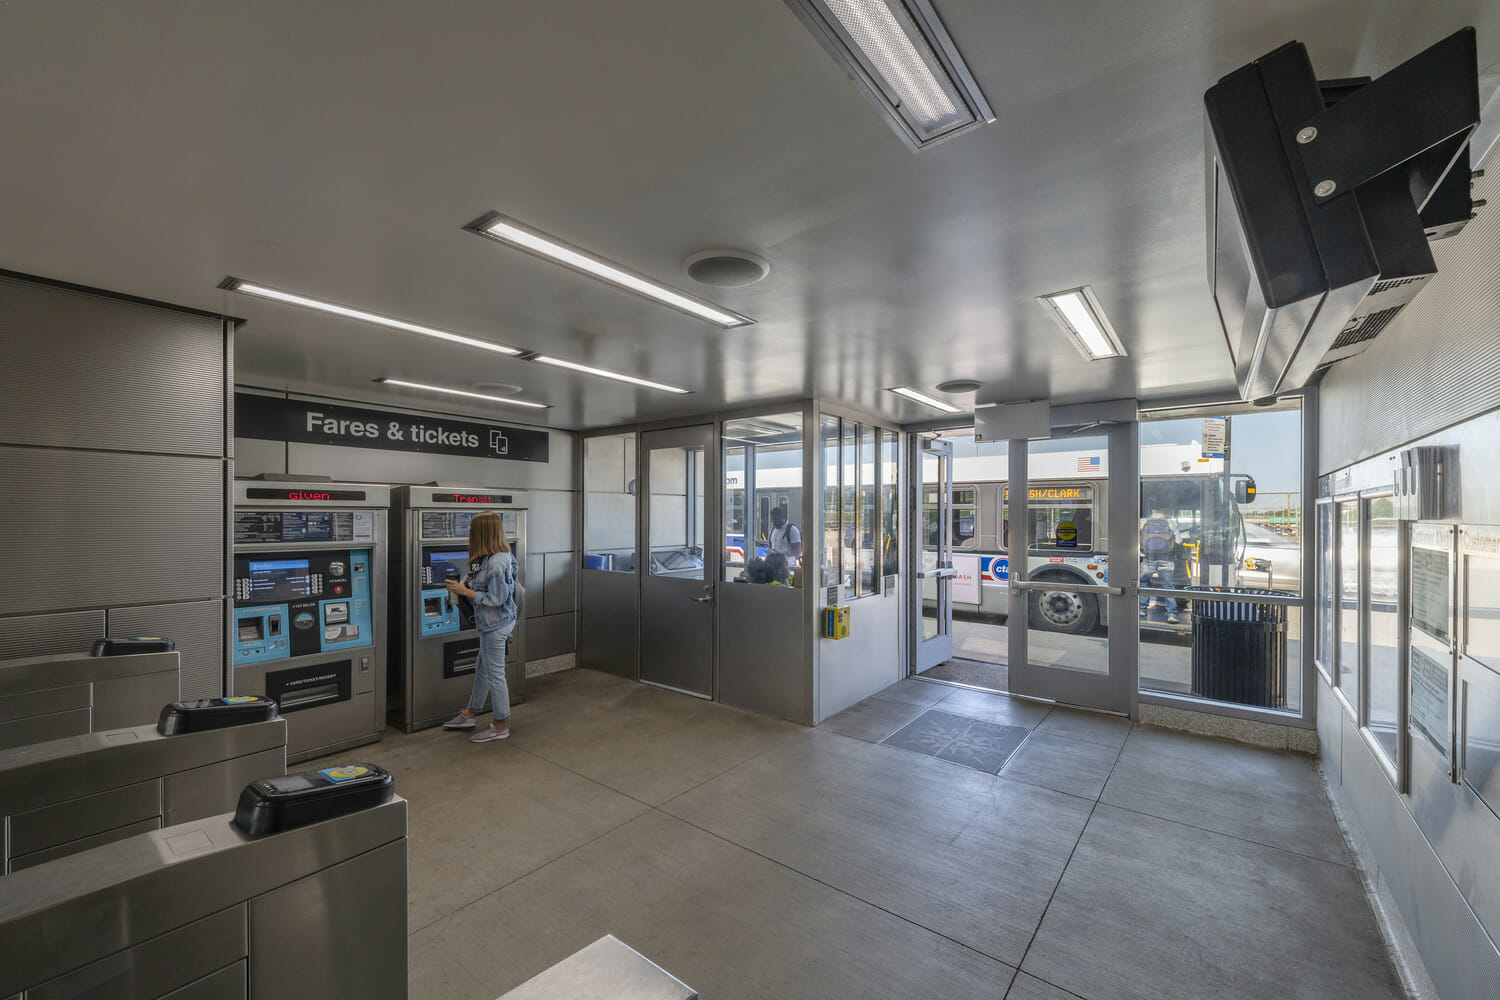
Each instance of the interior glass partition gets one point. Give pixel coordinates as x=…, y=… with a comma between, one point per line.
x=609, y=510
x=1348, y=616
x=763, y=489
x=1384, y=691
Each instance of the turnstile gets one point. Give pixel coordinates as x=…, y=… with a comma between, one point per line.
x=68, y=694
x=308, y=628
x=207, y=911
x=64, y=796
x=434, y=643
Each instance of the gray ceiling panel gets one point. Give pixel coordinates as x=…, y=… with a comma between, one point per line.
x=336, y=149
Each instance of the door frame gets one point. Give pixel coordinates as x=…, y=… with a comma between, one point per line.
x=713, y=542
x=1116, y=690
x=928, y=653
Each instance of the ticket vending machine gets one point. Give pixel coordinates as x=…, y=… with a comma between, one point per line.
x=433, y=639
x=308, y=627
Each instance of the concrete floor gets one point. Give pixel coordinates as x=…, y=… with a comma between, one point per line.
x=757, y=859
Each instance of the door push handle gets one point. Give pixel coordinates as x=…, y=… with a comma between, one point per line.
x=707, y=598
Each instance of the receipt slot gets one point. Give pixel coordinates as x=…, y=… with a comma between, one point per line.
x=434, y=644
x=308, y=627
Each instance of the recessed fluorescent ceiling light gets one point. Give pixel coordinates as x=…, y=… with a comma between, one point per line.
x=249, y=288
x=1078, y=312
x=901, y=56
x=506, y=230
x=606, y=373
x=502, y=400
x=924, y=399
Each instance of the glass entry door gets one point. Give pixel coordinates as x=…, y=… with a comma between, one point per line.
x=681, y=571
x=933, y=566
x=1075, y=497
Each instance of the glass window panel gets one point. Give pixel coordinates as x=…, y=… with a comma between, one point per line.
x=849, y=516
x=1348, y=618
x=1066, y=629
x=890, y=506
x=1384, y=677
x=609, y=511
x=1327, y=619
x=763, y=457
x=1481, y=607
x=828, y=432
x=931, y=541
x=1194, y=534
x=676, y=514
x=868, y=582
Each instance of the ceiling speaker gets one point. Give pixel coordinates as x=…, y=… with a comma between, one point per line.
x=726, y=268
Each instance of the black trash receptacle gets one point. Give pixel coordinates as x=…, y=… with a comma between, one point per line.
x=1239, y=649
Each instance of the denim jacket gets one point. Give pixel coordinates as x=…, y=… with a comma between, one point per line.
x=495, y=592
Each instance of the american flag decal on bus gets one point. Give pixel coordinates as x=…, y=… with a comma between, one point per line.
x=1090, y=464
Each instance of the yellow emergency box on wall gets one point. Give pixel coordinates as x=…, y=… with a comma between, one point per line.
x=836, y=622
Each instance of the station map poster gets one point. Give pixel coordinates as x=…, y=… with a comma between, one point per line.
x=1429, y=699
x=272, y=418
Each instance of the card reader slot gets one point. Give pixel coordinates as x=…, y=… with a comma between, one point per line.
x=309, y=696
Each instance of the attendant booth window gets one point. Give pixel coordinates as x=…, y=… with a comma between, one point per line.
x=763, y=491
x=860, y=506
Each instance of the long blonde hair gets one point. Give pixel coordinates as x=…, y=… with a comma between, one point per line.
x=487, y=535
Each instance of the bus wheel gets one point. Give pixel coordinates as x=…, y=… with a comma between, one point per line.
x=1061, y=611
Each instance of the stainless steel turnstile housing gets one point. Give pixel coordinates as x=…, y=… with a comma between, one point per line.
x=64, y=796
x=68, y=694
x=202, y=911
x=308, y=627
x=433, y=641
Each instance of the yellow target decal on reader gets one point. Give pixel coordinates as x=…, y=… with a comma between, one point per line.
x=346, y=773
x=239, y=699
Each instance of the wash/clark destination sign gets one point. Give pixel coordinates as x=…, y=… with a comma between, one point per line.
x=304, y=421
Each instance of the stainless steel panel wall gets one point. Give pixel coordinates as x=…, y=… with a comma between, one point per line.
x=152, y=379
x=852, y=669
x=1436, y=364
x=535, y=583
x=228, y=983
x=24, y=861
x=41, y=728
x=36, y=635
x=608, y=617
x=102, y=528
x=198, y=630
x=550, y=635
x=559, y=582
x=338, y=933
x=763, y=650
x=215, y=788
x=550, y=521
x=84, y=816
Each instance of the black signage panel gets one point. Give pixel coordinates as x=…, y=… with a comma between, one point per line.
x=272, y=493
x=501, y=498
x=310, y=422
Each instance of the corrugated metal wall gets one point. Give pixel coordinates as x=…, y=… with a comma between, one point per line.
x=1436, y=364
x=551, y=573
x=113, y=468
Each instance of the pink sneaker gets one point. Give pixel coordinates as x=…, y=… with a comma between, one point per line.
x=460, y=721
x=490, y=733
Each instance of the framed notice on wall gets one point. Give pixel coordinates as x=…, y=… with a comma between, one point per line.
x=1430, y=634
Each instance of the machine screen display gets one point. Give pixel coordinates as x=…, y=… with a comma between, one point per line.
x=279, y=580
x=439, y=562
x=290, y=783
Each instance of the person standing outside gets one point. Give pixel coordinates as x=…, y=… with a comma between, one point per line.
x=785, y=538
x=1159, y=539
x=490, y=585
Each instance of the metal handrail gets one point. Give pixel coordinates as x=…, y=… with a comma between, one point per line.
x=1054, y=586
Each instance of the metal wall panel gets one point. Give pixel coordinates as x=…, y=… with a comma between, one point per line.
x=551, y=635
x=1436, y=364
x=608, y=620
x=198, y=630
x=38, y=635
x=536, y=600
x=253, y=456
x=550, y=524
x=852, y=669
x=152, y=378
x=106, y=529
x=763, y=650
x=560, y=582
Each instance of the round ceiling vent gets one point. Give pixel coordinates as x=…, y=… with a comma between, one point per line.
x=959, y=385
x=498, y=388
x=726, y=268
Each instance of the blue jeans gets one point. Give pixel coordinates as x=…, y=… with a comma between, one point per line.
x=489, y=674
x=1161, y=569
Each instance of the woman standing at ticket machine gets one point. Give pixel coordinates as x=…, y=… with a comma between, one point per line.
x=490, y=585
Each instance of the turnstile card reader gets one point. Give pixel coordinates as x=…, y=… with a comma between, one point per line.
x=285, y=802
x=434, y=644
x=204, y=908
x=214, y=713
x=309, y=607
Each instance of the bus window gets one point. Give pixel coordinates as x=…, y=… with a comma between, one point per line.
x=965, y=518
